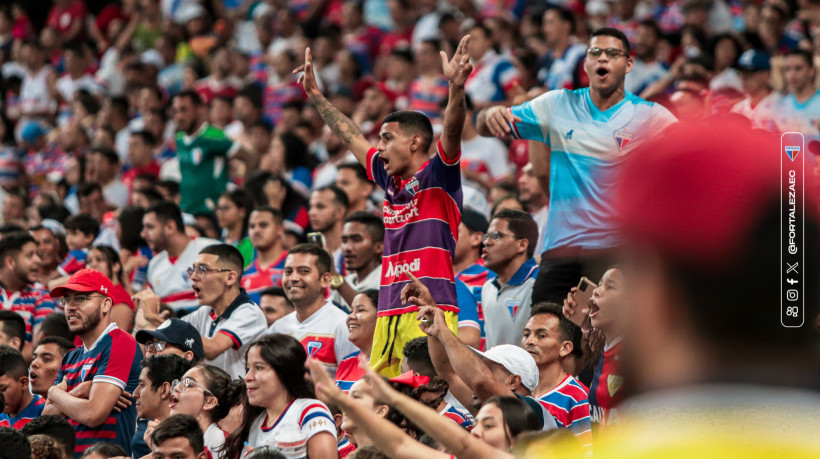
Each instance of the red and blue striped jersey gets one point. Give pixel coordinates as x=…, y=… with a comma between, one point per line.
x=257, y=278
x=113, y=359
x=606, y=391
x=349, y=371
x=568, y=403
x=32, y=303
x=450, y=412
x=475, y=276
x=421, y=217
x=275, y=96
x=33, y=410
x=344, y=447
x=74, y=261
x=426, y=95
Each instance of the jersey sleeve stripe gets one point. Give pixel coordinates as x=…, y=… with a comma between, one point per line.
x=442, y=154
x=110, y=380
x=237, y=343
x=315, y=414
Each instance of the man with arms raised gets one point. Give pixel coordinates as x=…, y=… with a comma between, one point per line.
x=422, y=207
x=94, y=376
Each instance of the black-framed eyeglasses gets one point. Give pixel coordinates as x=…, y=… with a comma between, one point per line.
x=202, y=270
x=181, y=385
x=496, y=236
x=157, y=345
x=612, y=53
x=76, y=299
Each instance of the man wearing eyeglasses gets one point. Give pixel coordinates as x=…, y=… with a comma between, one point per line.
x=109, y=359
x=588, y=132
x=508, y=249
x=227, y=320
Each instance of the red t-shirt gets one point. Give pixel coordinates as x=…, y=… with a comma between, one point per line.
x=120, y=295
x=63, y=19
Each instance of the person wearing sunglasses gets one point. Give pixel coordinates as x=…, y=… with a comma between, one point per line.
x=104, y=370
x=587, y=131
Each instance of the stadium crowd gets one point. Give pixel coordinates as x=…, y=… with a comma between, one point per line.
x=391, y=228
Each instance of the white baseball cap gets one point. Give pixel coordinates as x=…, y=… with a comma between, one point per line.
x=517, y=361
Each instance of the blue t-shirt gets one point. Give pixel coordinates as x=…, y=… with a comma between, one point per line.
x=586, y=146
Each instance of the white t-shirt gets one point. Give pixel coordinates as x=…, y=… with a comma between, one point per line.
x=214, y=438
x=312, y=417
x=485, y=155
x=171, y=281
x=242, y=322
x=324, y=335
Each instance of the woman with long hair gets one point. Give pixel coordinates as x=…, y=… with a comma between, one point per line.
x=280, y=398
x=361, y=325
x=207, y=393
x=106, y=260
x=233, y=211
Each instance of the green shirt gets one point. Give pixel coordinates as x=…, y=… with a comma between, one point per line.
x=203, y=163
x=246, y=249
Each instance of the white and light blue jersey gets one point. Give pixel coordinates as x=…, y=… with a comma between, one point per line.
x=586, y=146
x=808, y=111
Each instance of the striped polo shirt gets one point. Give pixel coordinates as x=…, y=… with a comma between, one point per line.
x=32, y=303
x=421, y=218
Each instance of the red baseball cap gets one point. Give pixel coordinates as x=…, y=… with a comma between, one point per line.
x=408, y=378
x=85, y=280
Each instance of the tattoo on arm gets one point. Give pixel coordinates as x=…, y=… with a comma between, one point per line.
x=340, y=124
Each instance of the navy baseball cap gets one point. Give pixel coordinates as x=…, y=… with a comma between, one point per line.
x=753, y=60
x=176, y=332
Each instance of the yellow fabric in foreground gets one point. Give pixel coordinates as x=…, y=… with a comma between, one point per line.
x=392, y=333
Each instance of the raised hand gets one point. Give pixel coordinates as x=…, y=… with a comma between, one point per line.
x=499, y=119
x=379, y=388
x=576, y=313
x=326, y=388
x=416, y=293
x=307, y=79
x=458, y=69
x=431, y=320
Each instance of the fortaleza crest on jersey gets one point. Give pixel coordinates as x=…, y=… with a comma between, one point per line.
x=412, y=186
x=792, y=151
x=313, y=347
x=393, y=270
x=512, y=306
x=623, y=138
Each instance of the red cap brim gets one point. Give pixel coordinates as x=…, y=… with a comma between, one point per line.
x=58, y=292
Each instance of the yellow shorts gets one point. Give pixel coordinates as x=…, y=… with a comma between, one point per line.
x=392, y=333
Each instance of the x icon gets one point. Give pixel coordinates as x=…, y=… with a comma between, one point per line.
x=792, y=268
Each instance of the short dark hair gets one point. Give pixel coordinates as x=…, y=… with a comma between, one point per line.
x=108, y=153
x=171, y=185
x=805, y=54
x=253, y=94
x=373, y=224
x=565, y=15
x=413, y=123
x=273, y=291
x=612, y=32
x=146, y=137
x=62, y=343
x=323, y=259
x=416, y=351
x=569, y=331
x=119, y=104
x=151, y=194
x=339, y=196
x=12, y=363
x=229, y=255
x=12, y=243
x=188, y=94
x=277, y=214
x=14, y=326
x=56, y=427
x=653, y=25
x=86, y=189
x=361, y=172
x=105, y=449
x=167, y=211
x=165, y=368
x=15, y=444
x=83, y=223
x=176, y=426
x=522, y=226
x=8, y=228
